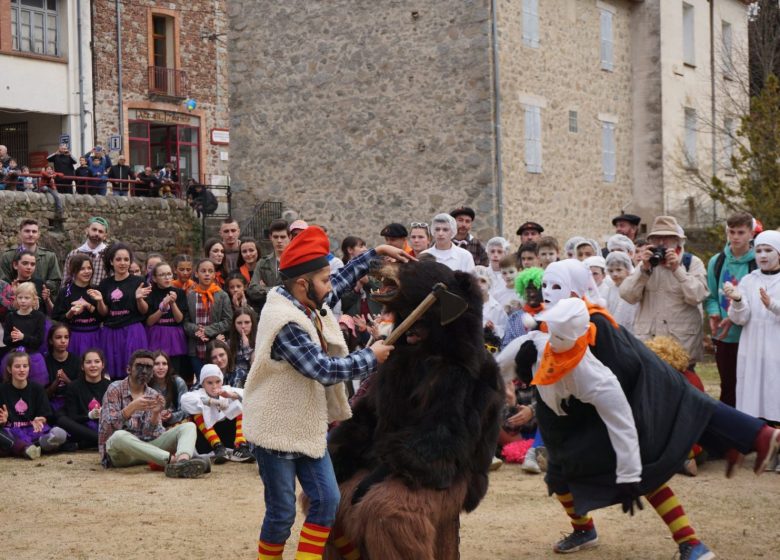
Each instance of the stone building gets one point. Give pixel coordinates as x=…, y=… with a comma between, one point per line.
x=358, y=113
x=172, y=54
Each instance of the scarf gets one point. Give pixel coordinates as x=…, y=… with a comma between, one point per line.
x=532, y=310
x=556, y=365
x=186, y=286
x=245, y=272
x=594, y=309
x=94, y=252
x=207, y=295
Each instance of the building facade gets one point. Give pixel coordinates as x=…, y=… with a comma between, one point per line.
x=565, y=112
x=167, y=63
x=45, y=78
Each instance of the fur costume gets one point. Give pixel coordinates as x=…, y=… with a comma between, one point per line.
x=419, y=445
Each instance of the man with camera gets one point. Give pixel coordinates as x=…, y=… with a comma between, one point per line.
x=65, y=164
x=669, y=293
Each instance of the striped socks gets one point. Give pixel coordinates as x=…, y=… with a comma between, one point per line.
x=240, y=439
x=311, y=545
x=346, y=548
x=668, y=507
x=209, y=433
x=269, y=551
x=579, y=523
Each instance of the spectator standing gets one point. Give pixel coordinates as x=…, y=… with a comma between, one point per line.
x=667, y=292
x=230, y=233
x=266, y=274
x=395, y=235
x=529, y=232
x=94, y=247
x=117, y=174
x=99, y=162
x=63, y=164
x=147, y=183
x=4, y=157
x=730, y=265
x=83, y=170
x=443, y=250
x=627, y=224
x=46, y=266
x=464, y=220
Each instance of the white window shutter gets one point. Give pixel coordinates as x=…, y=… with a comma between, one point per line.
x=607, y=41
x=531, y=23
x=608, y=152
x=533, y=139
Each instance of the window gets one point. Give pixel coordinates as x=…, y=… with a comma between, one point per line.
x=162, y=42
x=608, y=152
x=607, y=41
x=729, y=132
x=533, y=139
x=727, y=38
x=531, y=23
x=35, y=26
x=689, y=45
x=690, y=138
x=572, y=121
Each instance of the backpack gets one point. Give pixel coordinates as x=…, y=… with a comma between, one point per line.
x=210, y=203
x=722, y=259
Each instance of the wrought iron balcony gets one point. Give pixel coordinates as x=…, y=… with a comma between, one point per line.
x=167, y=82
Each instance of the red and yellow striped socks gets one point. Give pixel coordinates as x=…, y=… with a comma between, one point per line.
x=578, y=522
x=240, y=439
x=346, y=548
x=311, y=545
x=269, y=551
x=209, y=433
x=668, y=507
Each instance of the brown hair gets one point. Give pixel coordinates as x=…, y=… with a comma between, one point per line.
x=547, y=242
x=11, y=356
x=509, y=261
x=740, y=219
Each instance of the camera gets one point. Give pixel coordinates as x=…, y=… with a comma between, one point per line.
x=658, y=255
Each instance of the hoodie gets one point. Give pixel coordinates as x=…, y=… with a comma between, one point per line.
x=734, y=268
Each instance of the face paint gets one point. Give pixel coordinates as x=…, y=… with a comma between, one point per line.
x=142, y=373
x=767, y=258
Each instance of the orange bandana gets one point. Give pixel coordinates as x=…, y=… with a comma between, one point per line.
x=594, y=309
x=207, y=295
x=532, y=310
x=244, y=270
x=186, y=286
x=555, y=365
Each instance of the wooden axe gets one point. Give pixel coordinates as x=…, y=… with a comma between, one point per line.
x=452, y=307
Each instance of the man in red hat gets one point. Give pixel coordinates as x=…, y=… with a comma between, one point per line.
x=294, y=388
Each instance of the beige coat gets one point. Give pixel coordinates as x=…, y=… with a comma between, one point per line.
x=669, y=303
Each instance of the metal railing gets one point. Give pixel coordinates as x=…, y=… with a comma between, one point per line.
x=75, y=184
x=224, y=209
x=169, y=82
x=256, y=226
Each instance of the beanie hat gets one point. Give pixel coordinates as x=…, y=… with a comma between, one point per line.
x=209, y=370
x=306, y=253
x=769, y=237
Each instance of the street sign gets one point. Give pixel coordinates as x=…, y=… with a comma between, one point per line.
x=115, y=143
x=65, y=139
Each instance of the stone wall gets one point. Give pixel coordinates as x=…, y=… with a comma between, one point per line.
x=357, y=113
x=146, y=224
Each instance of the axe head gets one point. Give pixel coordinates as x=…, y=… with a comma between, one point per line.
x=451, y=306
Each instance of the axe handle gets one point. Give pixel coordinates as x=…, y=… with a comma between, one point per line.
x=411, y=319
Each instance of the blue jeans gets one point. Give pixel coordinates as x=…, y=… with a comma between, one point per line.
x=317, y=480
x=729, y=428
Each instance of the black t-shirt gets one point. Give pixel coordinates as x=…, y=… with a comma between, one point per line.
x=33, y=326
x=119, y=297
x=24, y=404
x=71, y=366
x=82, y=396
x=85, y=321
x=167, y=319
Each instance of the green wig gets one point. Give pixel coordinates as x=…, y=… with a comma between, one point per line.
x=528, y=277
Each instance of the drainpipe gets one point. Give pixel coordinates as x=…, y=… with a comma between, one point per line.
x=82, y=121
x=497, y=125
x=713, y=114
x=119, y=74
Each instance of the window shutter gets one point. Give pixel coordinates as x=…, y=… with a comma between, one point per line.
x=608, y=152
x=533, y=139
x=607, y=42
x=531, y=23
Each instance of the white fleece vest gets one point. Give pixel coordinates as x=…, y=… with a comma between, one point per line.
x=283, y=409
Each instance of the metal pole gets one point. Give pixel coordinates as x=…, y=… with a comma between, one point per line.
x=713, y=114
x=497, y=125
x=82, y=121
x=119, y=74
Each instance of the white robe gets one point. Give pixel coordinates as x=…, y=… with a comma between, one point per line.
x=192, y=404
x=493, y=311
x=623, y=312
x=758, y=360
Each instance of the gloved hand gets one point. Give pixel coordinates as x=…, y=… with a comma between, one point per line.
x=375, y=477
x=630, y=496
x=222, y=403
x=525, y=361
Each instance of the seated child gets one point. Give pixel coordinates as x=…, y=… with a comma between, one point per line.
x=214, y=408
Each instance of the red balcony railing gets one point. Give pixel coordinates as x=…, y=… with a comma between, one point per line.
x=167, y=81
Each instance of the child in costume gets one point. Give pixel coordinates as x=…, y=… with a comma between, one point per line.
x=619, y=267
x=528, y=286
x=217, y=407
x=294, y=389
x=494, y=318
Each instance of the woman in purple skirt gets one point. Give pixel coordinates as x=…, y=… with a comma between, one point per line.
x=77, y=309
x=166, y=316
x=25, y=413
x=84, y=399
x=121, y=300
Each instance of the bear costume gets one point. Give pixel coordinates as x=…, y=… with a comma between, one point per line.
x=419, y=445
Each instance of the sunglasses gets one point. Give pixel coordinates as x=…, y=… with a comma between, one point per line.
x=419, y=225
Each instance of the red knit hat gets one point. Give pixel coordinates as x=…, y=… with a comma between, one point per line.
x=306, y=253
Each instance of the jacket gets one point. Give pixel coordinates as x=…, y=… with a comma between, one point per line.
x=221, y=317
x=47, y=268
x=267, y=271
x=733, y=270
x=669, y=303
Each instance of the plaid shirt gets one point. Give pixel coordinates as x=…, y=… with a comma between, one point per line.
x=140, y=424
x=202, y=318
x=294, y=345
x=474, y=246
x=98, y=267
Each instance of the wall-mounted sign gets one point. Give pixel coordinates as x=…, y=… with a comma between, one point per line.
x=220, y=136
x=163, y=117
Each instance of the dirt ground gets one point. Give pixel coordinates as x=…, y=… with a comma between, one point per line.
x=68, y=507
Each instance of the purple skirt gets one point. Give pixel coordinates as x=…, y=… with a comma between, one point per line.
x=38, y=372
x=169, y=339
x=57, y=402
x=22, y=439
x=81, y=341
x=44, y=348
x=119, y=344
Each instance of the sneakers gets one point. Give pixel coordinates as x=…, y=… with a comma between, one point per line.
x=578, y=540
x=53, y=440
x=697, y=551
x=496, y=464
x=191, y=468
x=32, y=452
x=690, y=468
x=766, y=445
x=220, y=454
x=529, y=463
x=241, y=454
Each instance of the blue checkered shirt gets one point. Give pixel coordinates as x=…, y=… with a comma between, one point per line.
x=294, y=345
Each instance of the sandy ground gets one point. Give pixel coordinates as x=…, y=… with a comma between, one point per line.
x=68, y=507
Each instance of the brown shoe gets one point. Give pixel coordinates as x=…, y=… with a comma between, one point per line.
x=766, y=445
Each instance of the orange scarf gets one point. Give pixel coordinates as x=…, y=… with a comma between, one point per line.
x=594, y=309
x=186, y=286
x=244, y=269
x=207, y=295
x=532, y=310
x=555, y=365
